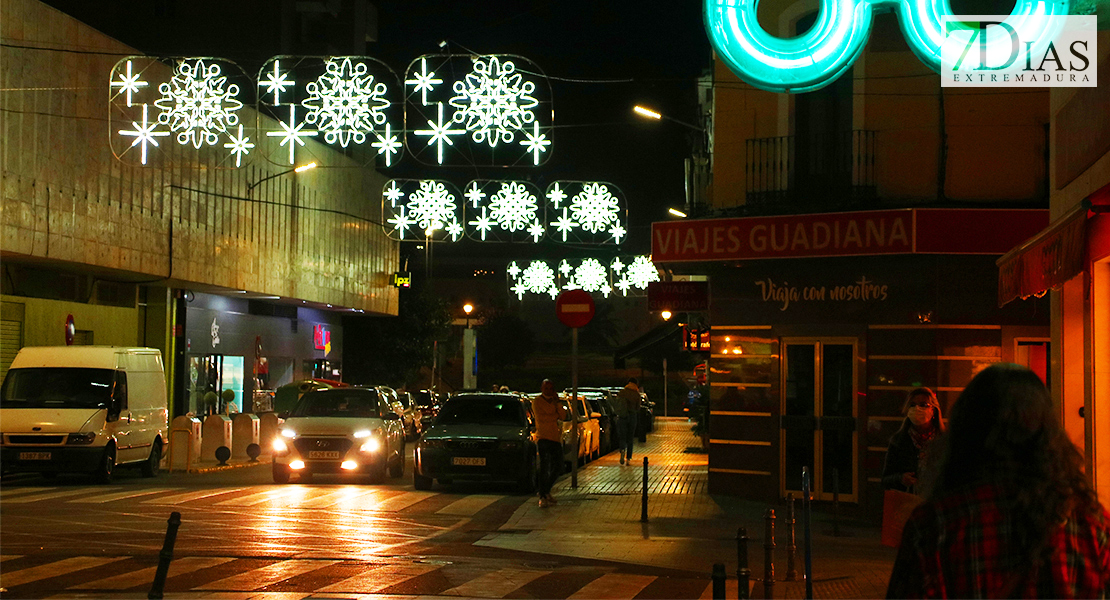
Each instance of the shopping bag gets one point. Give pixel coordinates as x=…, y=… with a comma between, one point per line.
x=897, y=507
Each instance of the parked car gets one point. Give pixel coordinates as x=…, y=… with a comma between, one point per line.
x=407, y=414
x=427, y=406
x=478, y=436
x=590, y=431
x=607, y=421
x=341, y=430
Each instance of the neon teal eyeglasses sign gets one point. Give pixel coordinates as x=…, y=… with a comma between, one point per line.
x=834, y=42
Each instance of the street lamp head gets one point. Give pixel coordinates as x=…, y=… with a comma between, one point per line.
x=666, y=314
x=646, y=112
x=677, y=213
x=303, y=168
x=468, y=308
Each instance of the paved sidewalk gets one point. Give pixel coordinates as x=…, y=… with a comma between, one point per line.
x=687, y=528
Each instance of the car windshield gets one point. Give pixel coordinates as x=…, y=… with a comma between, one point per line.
x=423, y=399
x=482, y=410
x=57, y=388
x=338, y=403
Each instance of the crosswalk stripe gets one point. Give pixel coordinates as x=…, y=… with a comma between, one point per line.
x=4, y=557
x=614, y=585
x=259, y=578
x=121, y=495
x=10, y=491
x=496, y=584
x=468, y=506
x=190, y=496
x=36, y=497
x=345, y=495
x=374, y=580
x=145, y=576
x=11, y=579
x=731, y=589
x=403, y=501
x=263, y=497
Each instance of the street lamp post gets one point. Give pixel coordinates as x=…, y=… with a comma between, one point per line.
x=470, y=352
x=468, y=308
x=300, y=169
x=696, y=177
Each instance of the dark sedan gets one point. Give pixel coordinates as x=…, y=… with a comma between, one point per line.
x=483, y=437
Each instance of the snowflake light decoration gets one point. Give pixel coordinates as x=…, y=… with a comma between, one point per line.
x=433, y=206
x=276, y=82
x=536, y=278
x=144, y=134
x=439, y=133
x=590, y=275
x=641, y=272
x=494, y=101
x=423, y=81
x=198, y=103
x=594, y=208
x=345, y=102
x=513, y=206
x=239, y=145
x=626, y=277
x=129, y=84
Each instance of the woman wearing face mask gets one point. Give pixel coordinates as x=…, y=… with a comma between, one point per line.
x=908, y=446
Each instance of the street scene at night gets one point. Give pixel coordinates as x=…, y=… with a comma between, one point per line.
x=537, y=299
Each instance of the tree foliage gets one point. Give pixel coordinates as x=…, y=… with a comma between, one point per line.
x=392, y=350
x=504, y=340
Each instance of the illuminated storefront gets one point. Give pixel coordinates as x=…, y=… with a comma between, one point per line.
x=821, y=323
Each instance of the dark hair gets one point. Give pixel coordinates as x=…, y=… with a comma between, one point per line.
x=633, y=381
x=1003, y=430
x=937, y=420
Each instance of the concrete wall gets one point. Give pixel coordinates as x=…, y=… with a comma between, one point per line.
x=69, y=201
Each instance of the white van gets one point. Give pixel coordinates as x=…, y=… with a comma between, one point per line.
x=83, y=409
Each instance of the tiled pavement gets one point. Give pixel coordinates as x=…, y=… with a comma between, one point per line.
x=687, y=528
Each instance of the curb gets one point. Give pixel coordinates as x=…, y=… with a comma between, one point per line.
x=216, y=467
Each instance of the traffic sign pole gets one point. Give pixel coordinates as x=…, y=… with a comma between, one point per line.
x=574, y=404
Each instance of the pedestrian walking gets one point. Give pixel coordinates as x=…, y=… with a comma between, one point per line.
x=628, y=411
x=909, y=446
x=1009, y=512
x=548, y=411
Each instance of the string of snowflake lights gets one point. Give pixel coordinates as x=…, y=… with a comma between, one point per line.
x=625, y=277
x=499, y=104
x=575, y=212
x=196, y=101
x=422, y=210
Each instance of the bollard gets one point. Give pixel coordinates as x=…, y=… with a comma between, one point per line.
x=743, y=573
x=836, y=502
x=718, y=581
x=791, y=546
x=164, y=557
x=805, y=532
x=769, y=555
x=643, y=500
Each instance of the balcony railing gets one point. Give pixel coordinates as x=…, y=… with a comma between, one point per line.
x=837, y=172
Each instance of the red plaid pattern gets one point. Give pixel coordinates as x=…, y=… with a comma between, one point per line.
x=959, y=547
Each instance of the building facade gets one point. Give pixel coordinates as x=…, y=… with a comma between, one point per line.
x=151, y=256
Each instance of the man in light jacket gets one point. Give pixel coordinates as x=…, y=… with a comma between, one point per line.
x=548, y=411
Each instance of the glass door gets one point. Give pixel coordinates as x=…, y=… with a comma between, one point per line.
x=819, y=412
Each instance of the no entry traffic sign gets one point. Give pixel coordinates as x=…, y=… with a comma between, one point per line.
x=574, y=308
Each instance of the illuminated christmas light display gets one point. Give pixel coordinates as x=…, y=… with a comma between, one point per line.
x=291, y=134
x=496, y=113
x=586, y=212
x=504, y=211
x=345, y=102
x=422, y=209
x=819, y=56
x=144, y=134
x=198, y=103
x=539, y=278
x=239, y=145
x=129, y=84
x=493, y=101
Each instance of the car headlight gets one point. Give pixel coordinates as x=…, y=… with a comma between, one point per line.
x=372, y=445
x=510, y=445
x=280, y=446
x=289, y=433
x=81, y=438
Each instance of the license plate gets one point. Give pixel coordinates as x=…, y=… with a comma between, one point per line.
x=468, y=462
x=34, y=456
x=324, y=454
